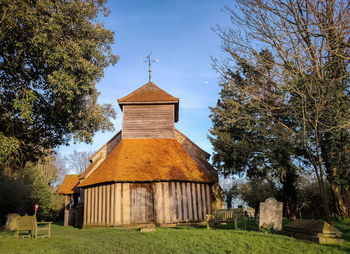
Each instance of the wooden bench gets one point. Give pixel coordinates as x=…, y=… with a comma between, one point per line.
x=27, y=224
x=43, y=226
x=226, y=216
x=32, y=227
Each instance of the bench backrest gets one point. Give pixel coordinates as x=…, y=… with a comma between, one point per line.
x=25, y=223
x=228, y=214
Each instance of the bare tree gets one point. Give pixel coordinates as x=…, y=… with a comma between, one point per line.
x=61, y=167
x=303, y=91
x=77, y=162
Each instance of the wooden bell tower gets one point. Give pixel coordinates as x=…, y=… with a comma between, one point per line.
x=149, y=112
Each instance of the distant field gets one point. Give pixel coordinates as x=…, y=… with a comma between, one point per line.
x=168, y=240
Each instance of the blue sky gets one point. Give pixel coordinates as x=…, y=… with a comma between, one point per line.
x=179, y=34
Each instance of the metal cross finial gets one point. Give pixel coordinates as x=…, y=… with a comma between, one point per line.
x=149, y=61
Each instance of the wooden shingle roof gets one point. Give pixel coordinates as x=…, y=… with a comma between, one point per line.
x=69, y=185
x=147, y=160
x=149, y=93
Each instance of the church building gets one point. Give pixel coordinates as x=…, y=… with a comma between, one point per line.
x=149, y=172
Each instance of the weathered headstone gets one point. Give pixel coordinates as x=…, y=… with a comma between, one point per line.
x=313, y=230
x=250, y=213
x=11, y=221
x=149, y=228
x=271, y=214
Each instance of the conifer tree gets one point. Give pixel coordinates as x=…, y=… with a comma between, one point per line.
x=295, y=101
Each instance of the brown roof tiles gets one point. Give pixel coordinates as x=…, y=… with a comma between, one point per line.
x=69, y=185
x=143, y=160
x=148, y=93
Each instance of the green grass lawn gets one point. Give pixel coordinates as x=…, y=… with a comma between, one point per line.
x=168, y=240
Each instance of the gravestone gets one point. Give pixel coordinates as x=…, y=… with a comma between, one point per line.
x=11, y=221
x=317, y=231
x=148, y=229
x=271, y=214
x=251, y=213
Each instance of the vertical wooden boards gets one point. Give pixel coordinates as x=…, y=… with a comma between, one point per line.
x=142, y=195
x=118, y=204
x=135, y=203
x=133, y=209
x=208, y=198
x=179, y=202
x=155, y=202
x=112, y=215
x=93, y=206
x=148, y=121
x=184, y=201
x=108, y=205
x=96, y=206
x=194, y=201
x=166, y=202
x=89, y=206
x=204, y=201
x=150, y=203
x=85, y=206
x=159, y=200
x=173, y=202
x=141, y=206
x=189, y=201
x=99, y=208
x=126, y=203
x=103, y=208
x=66, y=210
x=199, y=200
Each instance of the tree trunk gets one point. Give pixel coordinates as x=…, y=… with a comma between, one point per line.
x=323, y=193
x=325, y=205
x=342, y=199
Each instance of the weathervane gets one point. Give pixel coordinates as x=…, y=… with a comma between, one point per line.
x=149, y=61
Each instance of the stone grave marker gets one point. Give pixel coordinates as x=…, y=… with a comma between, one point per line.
x=11, y=221
x=317, y=231
x=251, y=213
x=271, y=214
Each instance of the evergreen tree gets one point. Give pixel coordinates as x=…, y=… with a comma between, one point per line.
x=298, y=104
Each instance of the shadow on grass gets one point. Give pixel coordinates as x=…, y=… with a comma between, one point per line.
x=58, y=223
x=344, y=226
x=250, y=226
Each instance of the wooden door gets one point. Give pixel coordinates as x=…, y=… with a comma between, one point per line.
x=141, y=203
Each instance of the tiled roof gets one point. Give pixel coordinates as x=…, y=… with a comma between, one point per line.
x=69, y=185
x=143, y=160
x=148, y=93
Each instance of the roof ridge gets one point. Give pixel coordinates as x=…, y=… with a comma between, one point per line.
x=125, y=97
x=208, y=154
x=150, y=84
